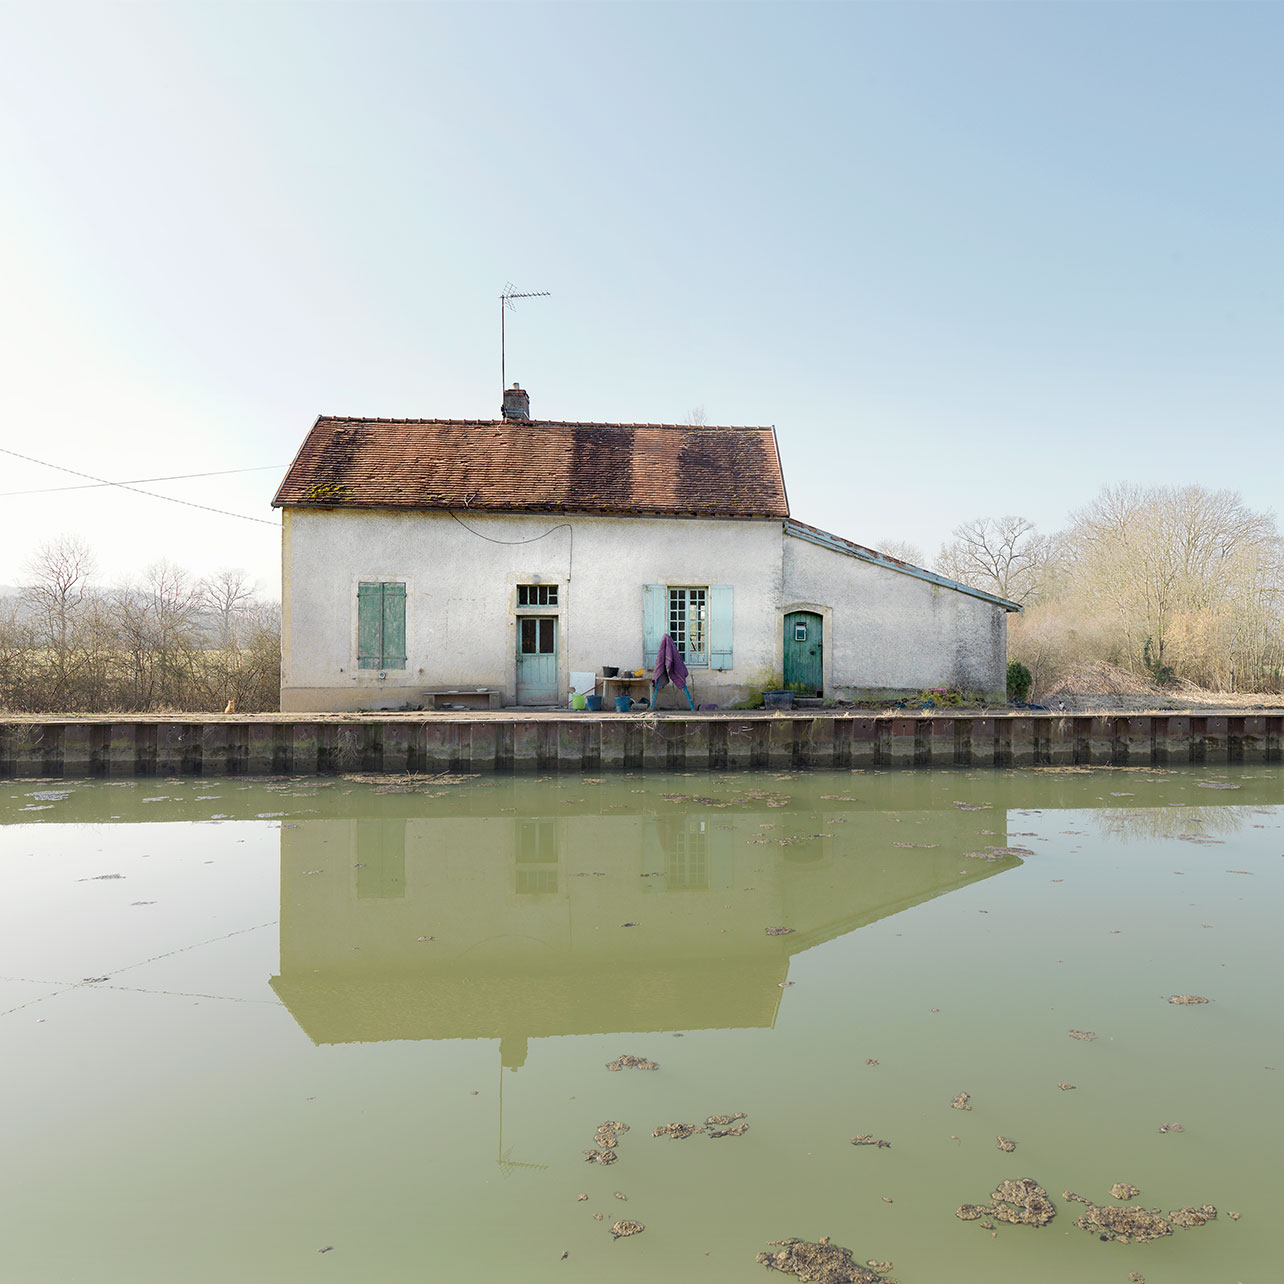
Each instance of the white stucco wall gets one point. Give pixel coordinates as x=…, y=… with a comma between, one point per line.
x=887, y=632
x=461, y=595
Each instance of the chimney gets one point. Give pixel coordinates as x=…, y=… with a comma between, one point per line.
x=517, y=405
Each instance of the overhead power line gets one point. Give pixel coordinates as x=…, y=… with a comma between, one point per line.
x=132, y=481
x=103, y=481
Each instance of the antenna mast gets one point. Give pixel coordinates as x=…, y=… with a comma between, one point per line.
x=506, y=305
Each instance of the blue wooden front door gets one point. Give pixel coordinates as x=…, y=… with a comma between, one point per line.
x=804, y=653
x=537, y=659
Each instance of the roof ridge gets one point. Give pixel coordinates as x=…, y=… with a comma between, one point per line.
x=542, y=423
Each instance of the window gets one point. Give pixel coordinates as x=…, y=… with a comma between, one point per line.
x=537, y=595
x=537, y=635
x=537, y=858
x=688, y=623
x=381, y=625
x=687, y=864
x=699, y=619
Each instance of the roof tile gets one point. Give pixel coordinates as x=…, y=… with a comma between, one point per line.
x=537, y=465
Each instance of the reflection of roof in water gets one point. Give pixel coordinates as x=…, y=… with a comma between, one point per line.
x=356, y=967
x=699, y=994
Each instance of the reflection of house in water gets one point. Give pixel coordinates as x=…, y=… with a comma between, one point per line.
x=584, y=923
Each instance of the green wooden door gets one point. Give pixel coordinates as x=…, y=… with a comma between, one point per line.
x=537, y=659
x=804, y=653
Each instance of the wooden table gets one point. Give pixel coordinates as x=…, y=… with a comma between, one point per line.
x=612, y=687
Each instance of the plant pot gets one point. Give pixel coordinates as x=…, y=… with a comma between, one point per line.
x=610, y=671
x=778, y=699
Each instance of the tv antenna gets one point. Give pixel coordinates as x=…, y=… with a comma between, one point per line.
x=506, y=305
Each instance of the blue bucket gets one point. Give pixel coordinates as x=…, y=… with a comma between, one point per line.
x=623, y=704
x=594, y=703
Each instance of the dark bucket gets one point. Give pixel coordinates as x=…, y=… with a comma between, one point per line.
x=623, y=704
x=594, y=703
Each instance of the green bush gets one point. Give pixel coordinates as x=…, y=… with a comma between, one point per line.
x=1019, y=680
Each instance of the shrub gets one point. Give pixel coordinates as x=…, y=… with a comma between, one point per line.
x=1019, y=680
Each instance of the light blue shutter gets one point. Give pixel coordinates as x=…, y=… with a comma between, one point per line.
x=720, y=626
x=655, y=621
x=394, y=626
x=369, y=626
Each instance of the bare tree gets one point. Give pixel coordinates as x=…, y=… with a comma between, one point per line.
x=57, y=588
x=1161, y=558
x=902, y=550
x=1002, y=555
x=226, y=596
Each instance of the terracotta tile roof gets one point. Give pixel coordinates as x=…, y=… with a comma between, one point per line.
x=505, y=465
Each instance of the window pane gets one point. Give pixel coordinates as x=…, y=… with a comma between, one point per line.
x=523, y=595
x=546, y=637
x=530, y=643
x=688, y=623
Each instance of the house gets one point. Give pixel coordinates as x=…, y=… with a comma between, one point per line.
x=495, y=559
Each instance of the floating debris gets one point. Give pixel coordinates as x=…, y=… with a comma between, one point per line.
x=989, y=853
x=822, y=1262
x=621, y=1229
x=607, y=1135
x=1066, y=1087
x=1020, y=1203
x=678, y=1131
x=619, y=1194
x=967, y=806
x=961, y=1101
x=721, y=1121
x=600, y=1156
x=868, y=1139
x=1086, y=1035
x=1171, y=1128
x=778, y=931
x=1023, y=1203
x=871, y=1061
x=1187, y=998
x=597, y=1217
x=1233, y=1216
x=925, y=846
x=1132, y=1225
x=1124, y=1190
x=1006, y=1144
x=629, y=1062
x=1136, y=1277
x=1188, y=1217
x=581, y=1197
x=1215, y=784
x=738, y=1131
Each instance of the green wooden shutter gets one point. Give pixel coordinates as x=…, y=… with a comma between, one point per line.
x=369, y=626
x=394, y=626
x=720, y=626
x=655, y=621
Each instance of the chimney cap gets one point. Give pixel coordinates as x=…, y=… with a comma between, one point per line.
x=517, y=403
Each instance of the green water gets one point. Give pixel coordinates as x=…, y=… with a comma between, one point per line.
x=338, y=1015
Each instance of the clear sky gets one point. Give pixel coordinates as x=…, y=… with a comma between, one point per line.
x=968, y=258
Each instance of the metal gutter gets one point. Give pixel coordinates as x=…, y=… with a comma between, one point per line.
x=836, y=544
